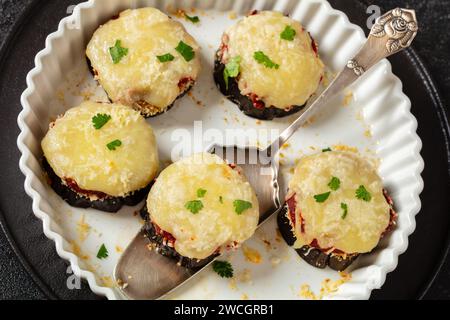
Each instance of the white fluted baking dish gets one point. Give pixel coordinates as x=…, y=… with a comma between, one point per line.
x=373, y=117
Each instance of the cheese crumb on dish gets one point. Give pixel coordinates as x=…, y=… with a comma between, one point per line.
x=300, y=69
x=328, y=287
x=348, y=98
x=251, y=255
x=108, y=282
x=365, y=221
x=76, y=150
x=83, y=229
x=307, y=293
x=217, y=224
x=78, y=252
x=140, y=77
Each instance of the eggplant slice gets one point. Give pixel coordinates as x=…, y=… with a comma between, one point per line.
x=311, y=255
x=244, y=103
x=163, y=248
x=182, y=94
x=107, y=204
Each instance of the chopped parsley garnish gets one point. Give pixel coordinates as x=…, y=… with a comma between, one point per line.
x=288, y=33
x=186, y=51
x=344, y=207
x=194, y=19
x=100, y=120
x=201, y=193
x=363, y=194
x=327, y=150
x=117, y=52
x=240, y=206
x=232, y=69
x=335, y=183
x=261, y=58
x=165, y=57
x=223, y=269
x=102, y=252
x=194, y=206
x=322, y=197
x=221, y=199
x=113, y=145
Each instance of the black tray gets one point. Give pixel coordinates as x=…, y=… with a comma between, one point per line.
x=417, y=267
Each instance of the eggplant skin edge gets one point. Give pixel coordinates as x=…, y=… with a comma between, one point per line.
x=161, y=246
x=108, y=204
x=244, y=103
x=167, y=109
x=311, y=255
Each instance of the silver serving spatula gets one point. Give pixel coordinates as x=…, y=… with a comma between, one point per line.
x=145, y=274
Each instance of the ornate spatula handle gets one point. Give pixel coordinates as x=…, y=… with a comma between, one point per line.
x=391, y=33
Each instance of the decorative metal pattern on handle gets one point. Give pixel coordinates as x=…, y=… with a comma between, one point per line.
x=357, y=69
x=391, y=33
x=399, y=25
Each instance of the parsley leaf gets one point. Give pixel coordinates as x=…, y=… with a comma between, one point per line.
x=194, y=19
x=221, y=199
x=165, y=57
x=201, y=193
x=117, y=52
x=327, y=150
x=363, y=194
x=223, y=269
x=335, y=183
x=100, y=120
x=322, y=197
x=261, y=58
x=113, y=145
x=194, y=206
x=240, y=206
x=102, y=252
x=186, y=51
x=288, y=33
x=344, y=207
x=232, y=69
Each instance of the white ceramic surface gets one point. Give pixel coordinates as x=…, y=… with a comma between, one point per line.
x=377, y=121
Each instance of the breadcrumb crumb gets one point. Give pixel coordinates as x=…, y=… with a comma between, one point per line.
x=83, y=229
x=77, y=251
x=328, y=287
x=232, y=15
x=348, y=98
x=252, y=255
x=108, y=282
x=342, y=147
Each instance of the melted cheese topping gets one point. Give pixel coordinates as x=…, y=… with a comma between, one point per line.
x=217, y=225
x=361, y=230
x=140, y=76
x=300, y=69
x=76, y=150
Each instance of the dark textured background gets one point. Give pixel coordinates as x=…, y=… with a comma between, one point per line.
x=432, y=44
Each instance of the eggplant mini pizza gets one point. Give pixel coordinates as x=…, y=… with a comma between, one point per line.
x=144, y=59
x=336, y=209
x=100, y=155
x=198, y=207
x=268, y=65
